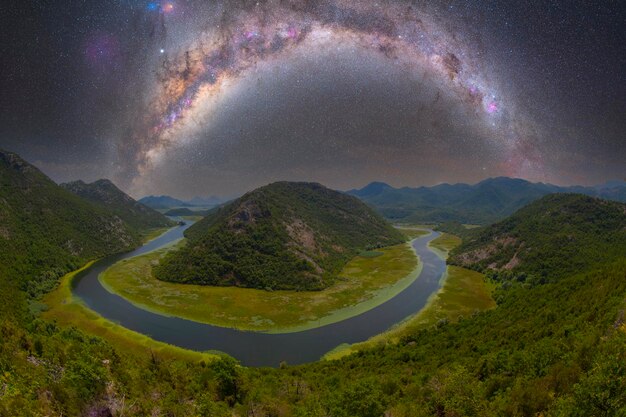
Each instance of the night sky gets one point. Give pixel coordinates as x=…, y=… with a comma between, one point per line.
x=203, y=97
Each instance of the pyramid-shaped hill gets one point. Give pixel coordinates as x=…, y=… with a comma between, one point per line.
x=286, y=235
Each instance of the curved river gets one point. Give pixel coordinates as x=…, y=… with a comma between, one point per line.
x=254, y=348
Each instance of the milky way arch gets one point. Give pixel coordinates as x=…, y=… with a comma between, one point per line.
x=220, y=56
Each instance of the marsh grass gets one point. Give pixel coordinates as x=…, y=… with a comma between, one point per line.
x=365, y=282
x=413, y=232
x=153, y=234
x=464, y=292
x=444, y=244
x=67, y=310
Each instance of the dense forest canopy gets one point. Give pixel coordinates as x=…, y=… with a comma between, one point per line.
x=47, y=231
x=281, y=236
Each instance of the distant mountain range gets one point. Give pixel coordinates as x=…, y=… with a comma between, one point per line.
x=161, y=202
x=485, y=202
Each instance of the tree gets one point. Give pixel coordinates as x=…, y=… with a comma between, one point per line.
x=228, y=375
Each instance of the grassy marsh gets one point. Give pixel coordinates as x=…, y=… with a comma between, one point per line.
x=67, y=310
x=413, y=232
x=463, y=293
x=365, y=282
x=444, y=244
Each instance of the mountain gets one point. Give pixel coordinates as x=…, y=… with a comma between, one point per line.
x=161, y=202
x=282, y=236
x=555, y=236
x=46, y=231
x=164, y=202
x=611, y=184
x=205, y=201
x=373, y=188
x=104, y=192
x=186, y=211
x=486, y=202
x=457, y=229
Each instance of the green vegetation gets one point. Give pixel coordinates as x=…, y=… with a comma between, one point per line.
x=290, y=236
x=455, y=228
x=186, y=212
x=488, y=201
x=67, y=311
x=370, y=254
x=527, y=356
x=444, y=244
x=46, y=231
x=482, y=203
x=413, y=232
x=134, y=214
x=556, y=236
x=463, y=295
x=150, y=234
x=553, y=346
x=161, y=202
x=365, y=282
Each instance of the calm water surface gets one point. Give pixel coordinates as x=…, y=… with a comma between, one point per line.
x=254, y=348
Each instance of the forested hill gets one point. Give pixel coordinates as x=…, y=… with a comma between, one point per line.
x=559, y=234
x=282, y=236
x=46, y=231
x=105, y=193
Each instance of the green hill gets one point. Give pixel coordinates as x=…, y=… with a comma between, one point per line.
x=281, y=236
x=559, y=234
x=46, y=231
x=104, y=192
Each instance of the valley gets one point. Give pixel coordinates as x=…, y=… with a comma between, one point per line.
x=519, y=317
x=245, y=346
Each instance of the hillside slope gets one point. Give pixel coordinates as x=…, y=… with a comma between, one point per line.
x=105, y=193
x=485, y=202
x=559, y=234
x=281, y=236
x=45, y=230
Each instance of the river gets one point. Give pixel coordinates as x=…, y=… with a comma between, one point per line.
x=255, y=348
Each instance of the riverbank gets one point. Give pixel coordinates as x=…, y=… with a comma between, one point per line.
x=258, y=348
x=464, y=292
x=365, y=282
x=67, y=310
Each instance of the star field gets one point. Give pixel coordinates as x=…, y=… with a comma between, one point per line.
x=189, y=97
